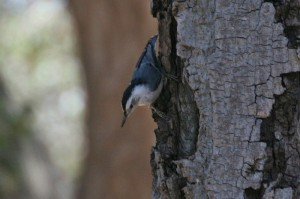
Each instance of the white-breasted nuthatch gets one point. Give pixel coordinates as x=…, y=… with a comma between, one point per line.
x=147, y=81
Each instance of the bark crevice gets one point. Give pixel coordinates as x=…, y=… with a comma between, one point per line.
x=287, y=13
x=280, y=131
x=167, y=183
x=251, y=193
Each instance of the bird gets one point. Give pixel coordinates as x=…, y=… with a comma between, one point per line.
x=146, y=82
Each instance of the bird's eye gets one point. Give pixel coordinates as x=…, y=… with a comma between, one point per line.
x=131, y=105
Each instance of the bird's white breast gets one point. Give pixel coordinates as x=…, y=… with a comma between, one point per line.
x=146, y=96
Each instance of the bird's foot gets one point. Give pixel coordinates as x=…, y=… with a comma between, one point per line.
x=172, y=77
x=160, y=113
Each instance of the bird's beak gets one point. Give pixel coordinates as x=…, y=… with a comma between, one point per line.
x=124, y=120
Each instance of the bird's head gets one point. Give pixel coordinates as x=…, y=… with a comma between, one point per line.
x=129, y=103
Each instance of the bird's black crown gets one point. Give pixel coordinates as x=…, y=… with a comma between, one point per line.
x=126, y=95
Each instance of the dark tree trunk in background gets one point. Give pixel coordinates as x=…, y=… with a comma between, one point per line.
x=112, y=35
x=235, y=116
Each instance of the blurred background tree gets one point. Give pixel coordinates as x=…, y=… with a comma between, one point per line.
x=41, y=72
x=46, y=150
x=112, y=35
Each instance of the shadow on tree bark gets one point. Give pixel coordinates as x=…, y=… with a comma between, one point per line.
x=281, y=132
x=287, y=13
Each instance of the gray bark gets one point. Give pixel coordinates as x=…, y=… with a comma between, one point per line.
x=234, y=129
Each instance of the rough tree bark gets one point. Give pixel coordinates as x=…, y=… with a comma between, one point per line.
x=234, y=130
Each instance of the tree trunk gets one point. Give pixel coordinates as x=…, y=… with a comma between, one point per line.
x=112, y=35
x=234, y=128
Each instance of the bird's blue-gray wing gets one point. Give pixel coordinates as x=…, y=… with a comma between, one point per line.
x=148, y=69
